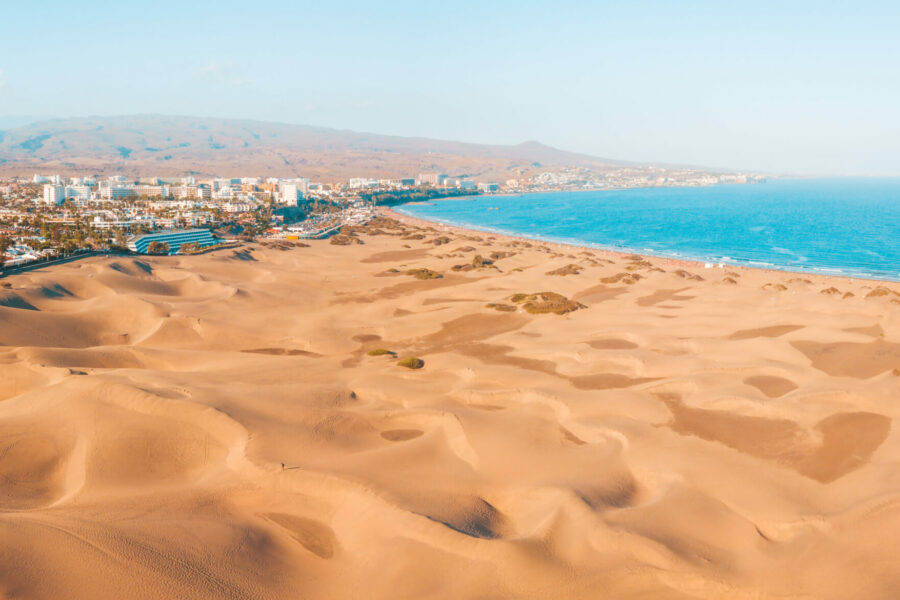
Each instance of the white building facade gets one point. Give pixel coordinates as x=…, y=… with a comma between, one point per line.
x=54, y=194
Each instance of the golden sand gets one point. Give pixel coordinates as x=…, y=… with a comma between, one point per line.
x=238, y=425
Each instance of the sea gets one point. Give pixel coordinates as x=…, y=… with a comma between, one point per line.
x=848, y=227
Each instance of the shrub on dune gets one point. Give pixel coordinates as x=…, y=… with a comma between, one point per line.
x=566, y=270
x=343, y=239
x=879, y=292
x=546, y=302
x=626, y=278
x=412, y=363
x=479, y=262
x=381, y=352
x=424, y=274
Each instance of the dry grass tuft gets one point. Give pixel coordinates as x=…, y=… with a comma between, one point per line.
x=546, y=302
x=569, y=269
x=478, y=262
x=626, y=278
x=424, y=274
x=502, y=307
x=345, y=239
x=687, y=275
x=879, y=292
x=639, y=264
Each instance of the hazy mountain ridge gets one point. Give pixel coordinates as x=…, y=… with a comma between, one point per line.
x=169, y=145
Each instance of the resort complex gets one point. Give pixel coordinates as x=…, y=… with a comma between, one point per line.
x=171, y=242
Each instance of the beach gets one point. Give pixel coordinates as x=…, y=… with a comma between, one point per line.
x=836, y=227
x=583, y=424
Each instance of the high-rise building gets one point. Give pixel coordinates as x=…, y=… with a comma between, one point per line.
x=115, y=192
x=54, y=194
x=358, y=183
x=151, y=191
x=290, y=194
x=78, y=191
x=434, y=179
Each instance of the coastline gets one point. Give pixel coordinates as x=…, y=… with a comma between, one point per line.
x=611, y=253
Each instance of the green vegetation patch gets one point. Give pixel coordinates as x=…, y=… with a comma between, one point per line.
x=502, y=307
x=197, y=249
x=381, y=352
x=157, y=247
x=412, y=363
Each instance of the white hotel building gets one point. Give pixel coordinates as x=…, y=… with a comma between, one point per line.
x=54, y=194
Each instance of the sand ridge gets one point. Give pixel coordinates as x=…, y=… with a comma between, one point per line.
x=236, y=425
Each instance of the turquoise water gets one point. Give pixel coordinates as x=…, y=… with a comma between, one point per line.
x=834, y=226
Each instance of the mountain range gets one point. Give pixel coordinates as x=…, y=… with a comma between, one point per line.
x=158, y=145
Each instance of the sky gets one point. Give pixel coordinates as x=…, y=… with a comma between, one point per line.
x=783, y=87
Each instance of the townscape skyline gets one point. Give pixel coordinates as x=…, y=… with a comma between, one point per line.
x=807, y=88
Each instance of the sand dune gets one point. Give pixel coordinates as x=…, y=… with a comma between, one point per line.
x=236, y=425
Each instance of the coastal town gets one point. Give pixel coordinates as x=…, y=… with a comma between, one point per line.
x=50, y=217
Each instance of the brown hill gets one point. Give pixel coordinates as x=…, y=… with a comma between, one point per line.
x=169, y=145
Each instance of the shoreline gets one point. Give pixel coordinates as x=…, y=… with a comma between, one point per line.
x=608, y=253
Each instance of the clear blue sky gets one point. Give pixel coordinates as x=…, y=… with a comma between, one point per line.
x=807, y=87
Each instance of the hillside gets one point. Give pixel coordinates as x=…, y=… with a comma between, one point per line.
x=167, y=145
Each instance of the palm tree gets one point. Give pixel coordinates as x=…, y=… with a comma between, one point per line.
x=158, y=247
x=5, y=243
